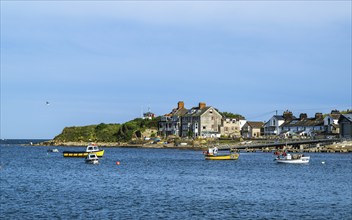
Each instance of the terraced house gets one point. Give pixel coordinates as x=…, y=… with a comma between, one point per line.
x=170, y=124
x=304, y=126
x=202, y=121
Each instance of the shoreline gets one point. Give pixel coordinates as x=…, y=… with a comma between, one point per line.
x=119, y=145
x=343, y=147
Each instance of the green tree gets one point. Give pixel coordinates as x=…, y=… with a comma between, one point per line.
x=232, y=115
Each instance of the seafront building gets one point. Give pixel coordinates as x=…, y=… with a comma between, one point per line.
x=170, y=124
x=231, y=127
x=205, y=121
x=252, y=129
x=201, y=121
x=274, y=125
x=345, y=122
x=304, y=126
x=331, y=122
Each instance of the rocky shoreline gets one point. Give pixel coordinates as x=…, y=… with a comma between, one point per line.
x=122, y=145
x=342, y=147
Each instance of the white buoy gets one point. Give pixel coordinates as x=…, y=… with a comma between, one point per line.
x=323, y=162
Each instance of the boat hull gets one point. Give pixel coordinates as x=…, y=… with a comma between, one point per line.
x=82, y=154
x=92, y=161
x=302, y=160
x=222, y=157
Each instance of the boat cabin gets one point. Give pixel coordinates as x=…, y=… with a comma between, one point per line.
x=92, y=157
x=212, y=151
x=92, y=148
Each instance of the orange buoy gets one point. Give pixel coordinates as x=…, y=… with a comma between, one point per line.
x=117, y=162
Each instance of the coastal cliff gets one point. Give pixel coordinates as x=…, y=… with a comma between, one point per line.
x=108, y=133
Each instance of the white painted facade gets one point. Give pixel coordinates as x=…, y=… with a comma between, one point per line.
x=273, y=126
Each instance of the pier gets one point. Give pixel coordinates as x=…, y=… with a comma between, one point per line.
x=293, y=146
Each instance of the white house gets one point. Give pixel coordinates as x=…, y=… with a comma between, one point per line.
x=242, y=122
x=331, y=122
x=273, y=126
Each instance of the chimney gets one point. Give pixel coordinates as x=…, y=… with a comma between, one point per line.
x=318, y=116
x=335, y=112
x=287, y=115
x=180, y=105
x=303, y=116
x=202, y=105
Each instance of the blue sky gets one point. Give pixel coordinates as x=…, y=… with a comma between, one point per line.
x=106, y=61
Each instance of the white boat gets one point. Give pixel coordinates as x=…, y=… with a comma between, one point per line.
x=53, y=150
x=92, y=159
x=295, y=158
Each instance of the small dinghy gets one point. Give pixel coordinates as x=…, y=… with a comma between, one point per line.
x=92, y=159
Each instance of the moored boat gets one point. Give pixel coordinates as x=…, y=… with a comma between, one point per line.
x=293, y=159
x=91, y=148
x=53, y=150
x=215, y=154
x=92, y=159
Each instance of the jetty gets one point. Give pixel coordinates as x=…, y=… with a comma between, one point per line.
x=318, y=145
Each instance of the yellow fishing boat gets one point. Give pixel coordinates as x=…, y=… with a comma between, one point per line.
x=213, y=154
x=91, y=148
x=233, y=156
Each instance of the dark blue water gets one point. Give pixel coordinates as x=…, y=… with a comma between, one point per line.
x=171, y=184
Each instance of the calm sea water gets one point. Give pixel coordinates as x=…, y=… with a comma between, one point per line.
x=171, y=184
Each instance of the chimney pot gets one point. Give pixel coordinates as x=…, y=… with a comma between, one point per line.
x=318, y=115
x=303, y=116
x=287, y=116
x=180, y=105
x=202, y=105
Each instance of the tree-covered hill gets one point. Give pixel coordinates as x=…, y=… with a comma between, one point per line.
x=107, y=132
